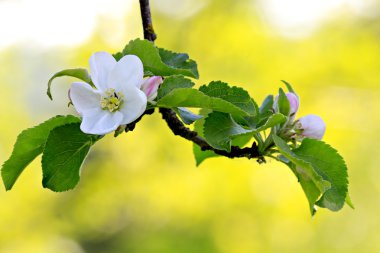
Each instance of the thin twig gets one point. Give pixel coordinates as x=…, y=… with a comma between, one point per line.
x=147, y=21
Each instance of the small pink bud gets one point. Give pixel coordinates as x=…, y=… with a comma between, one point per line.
x=293, y=102
x=150, y=87
x=311, y=126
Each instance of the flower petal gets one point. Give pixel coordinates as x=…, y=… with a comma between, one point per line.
x=100, y=121
x=150, y=87
x=128, y=72
x=101, y=64
x=312, y=126
x=84, y=97
x=134, y=105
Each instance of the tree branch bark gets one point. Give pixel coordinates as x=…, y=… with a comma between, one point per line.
x=147, y=21
x=175, y=125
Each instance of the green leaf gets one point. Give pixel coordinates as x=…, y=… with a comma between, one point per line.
x=331, y=166
x=219, y=128
x=349, y=201
x=186, y=97
x=289, y=87
x=235, y=95
x=79, y=73
x=29, y=144
x=283, y=103
x=169, y=64
x=200, y=155
x=173, y=82
x=65, y=150
x=310, y=189
x=178, y=61
x=312, y=183
x=118, y=56
x=241, y=140
x=273, y=120
x=267, y=105
x=187, y=116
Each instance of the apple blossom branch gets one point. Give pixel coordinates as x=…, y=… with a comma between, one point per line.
x=175, y=125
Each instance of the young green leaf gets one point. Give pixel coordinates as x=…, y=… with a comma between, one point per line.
x=178, y=61
x=79, y=73
x=241, y=140
x=65, y=150
x=283, y=103
x=310, y=189
x=219, y=128
x=200, y=155
x=173, y=82
x=30, y=143
x=152, y=61
x=349, y=201
x=267, y=105
x=331, y=166
x=235, y=95
x=273, y=120
x=186, y=97
x=187, y=116
x=289, y=87
x=312, y=183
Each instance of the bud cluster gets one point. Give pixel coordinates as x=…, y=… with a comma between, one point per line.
x=310, y=126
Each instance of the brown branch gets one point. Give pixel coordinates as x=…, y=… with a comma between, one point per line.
x=178, y=128
x=147, y=21
x=175, y=125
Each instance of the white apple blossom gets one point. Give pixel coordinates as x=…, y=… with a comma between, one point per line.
x=311, y=126
x=117, y=99
x=150, y=87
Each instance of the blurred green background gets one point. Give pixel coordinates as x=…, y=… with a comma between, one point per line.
x=141, y=192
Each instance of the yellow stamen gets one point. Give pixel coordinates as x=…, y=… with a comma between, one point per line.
x=112, y=101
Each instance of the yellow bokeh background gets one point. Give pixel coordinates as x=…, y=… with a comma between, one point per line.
x=142, y=192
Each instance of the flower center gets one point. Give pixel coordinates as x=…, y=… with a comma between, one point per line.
x=112, y=100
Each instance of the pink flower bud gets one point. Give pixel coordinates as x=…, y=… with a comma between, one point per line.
x=150, y=87
x=311, y=126
x=293, y=102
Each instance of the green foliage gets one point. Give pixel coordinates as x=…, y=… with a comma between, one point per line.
x=173, y=82
x=228, y=117
x=267, y=105
x=273, y=120
x=289, y=87
x=235, y=95
x=199, y=154
x=220, y=128
x=79, y=73
x=320, y=170
x=187, y=116
x=63, y=156
x=331, y=166
x=160, y=62
x=283, y=103
x=29, y=144
x=186, y=97
x=178, y=61
x=312, y=183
